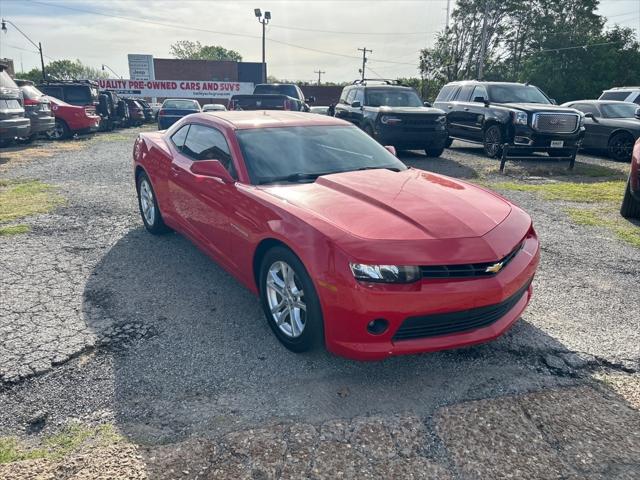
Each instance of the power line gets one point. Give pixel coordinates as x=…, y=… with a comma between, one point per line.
x=364, y=51
x=338, y=32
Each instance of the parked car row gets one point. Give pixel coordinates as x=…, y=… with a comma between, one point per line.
x=62, y=109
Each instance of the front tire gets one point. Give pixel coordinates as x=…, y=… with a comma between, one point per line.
x=290, y=301
x=630, y=206
x=151, y=216
x=620, y=147
x=433, y=152
x=493, y=141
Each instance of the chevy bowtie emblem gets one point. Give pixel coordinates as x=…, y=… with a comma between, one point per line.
x=495, y=268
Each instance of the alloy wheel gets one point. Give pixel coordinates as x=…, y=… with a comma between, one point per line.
x=146, y=202
x=492, y=141
x=286, y=299
x=621, y=147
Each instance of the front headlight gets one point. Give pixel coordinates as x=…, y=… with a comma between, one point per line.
x=520, y=118
x=390, y=120
x=385, y=273
x=582, y=117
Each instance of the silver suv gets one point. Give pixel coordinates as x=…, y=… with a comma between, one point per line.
x=623, y=94
x=13, y=123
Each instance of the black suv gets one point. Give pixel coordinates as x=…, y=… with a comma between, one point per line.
x=518, y=115
x=394, y=115
x=82, y=93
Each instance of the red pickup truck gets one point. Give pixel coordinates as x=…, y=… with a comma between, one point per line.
x=72, y=119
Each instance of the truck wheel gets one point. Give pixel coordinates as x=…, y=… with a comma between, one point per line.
x=60, y=131
x=620, y=146
x=493, y=141
x=630, y=206
x=433, y=152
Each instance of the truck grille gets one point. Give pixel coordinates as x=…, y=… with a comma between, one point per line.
x=418, y=123
x=457, y=322
x=555, y=122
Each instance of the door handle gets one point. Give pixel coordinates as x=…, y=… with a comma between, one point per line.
x=450, y=107
x=466, y=109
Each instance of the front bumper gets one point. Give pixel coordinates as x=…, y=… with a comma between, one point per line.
x=411, y=139
x=526, y=140
x=351, y=310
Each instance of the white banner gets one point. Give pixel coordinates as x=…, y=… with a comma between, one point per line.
x=176, y=88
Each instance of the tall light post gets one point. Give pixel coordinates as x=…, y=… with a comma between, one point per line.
x=38, y=46
x=104, y=65
x=264, y=21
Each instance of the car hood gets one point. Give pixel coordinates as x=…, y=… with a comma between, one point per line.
x=412, y=110
x=409, y=205
x=538, y=107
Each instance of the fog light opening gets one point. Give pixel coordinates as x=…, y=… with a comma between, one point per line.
x=377, y=326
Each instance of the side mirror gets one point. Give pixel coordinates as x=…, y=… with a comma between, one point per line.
x=211, y=168
x=591, y=116
x=553, y=101
x=427, y=104
x=356, y=104
x=391, y=149
x=311, y=99
x=637, y=113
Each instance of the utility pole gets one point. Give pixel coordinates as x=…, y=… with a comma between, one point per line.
x=38, y=46
x=264, y=21
x=483, y=43
x=319, y=72
x=364, y=58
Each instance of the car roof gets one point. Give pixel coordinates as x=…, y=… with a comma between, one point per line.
x=614, y=89
x=248, y=119
x=599, y=102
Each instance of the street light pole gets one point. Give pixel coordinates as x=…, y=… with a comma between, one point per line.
x=38, y=46
x=264, y=21
x=107, y=66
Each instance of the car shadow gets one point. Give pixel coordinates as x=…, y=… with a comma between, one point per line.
x=193, y=355
x=444, y=165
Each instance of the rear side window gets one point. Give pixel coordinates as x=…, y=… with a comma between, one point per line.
x=615, y=95
x=465, y=93
x=180, y=136
x=586, y=108
x=206, y=143
x=77, y=94
x=446, y=93
x=53, y=91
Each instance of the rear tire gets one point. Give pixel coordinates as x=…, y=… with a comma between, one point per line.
x=149, y=211
x=620, y=147
x=630, y=206
x=283, y=295
x=60, y=131
x=493, y=141
x=434, y=152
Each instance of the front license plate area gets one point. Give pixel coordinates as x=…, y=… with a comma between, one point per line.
x=557, y=143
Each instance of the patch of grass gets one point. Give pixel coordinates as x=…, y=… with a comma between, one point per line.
x=59, y=445
x=610, y=191
x=7, y=230
x=624, y=230
x=22, y=198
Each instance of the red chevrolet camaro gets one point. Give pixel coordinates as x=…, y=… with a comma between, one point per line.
x=341, y=241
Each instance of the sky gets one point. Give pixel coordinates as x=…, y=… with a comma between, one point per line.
x=303, y=36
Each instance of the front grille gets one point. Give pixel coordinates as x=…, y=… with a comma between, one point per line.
x=457, y=322
x=418, y=123
x=467, y=269
x=556, y=122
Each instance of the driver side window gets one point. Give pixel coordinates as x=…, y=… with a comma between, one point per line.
x=206, y=143
x=479, y=92
x=350, y=96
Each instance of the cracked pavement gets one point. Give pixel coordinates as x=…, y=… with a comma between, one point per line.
x=102, y=322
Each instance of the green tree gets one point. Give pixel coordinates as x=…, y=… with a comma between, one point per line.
x=65, y=70
x=188, y=50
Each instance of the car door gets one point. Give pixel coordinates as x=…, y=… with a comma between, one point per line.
x=459, y=114
x=596, y=134
x=204, y=203
x=342, y=107
x=473, y=114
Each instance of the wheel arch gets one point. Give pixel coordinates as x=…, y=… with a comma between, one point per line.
x=620, y=130
x=262, y=248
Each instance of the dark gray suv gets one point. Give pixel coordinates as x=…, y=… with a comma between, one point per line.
x=37, y=108
x=13, y=123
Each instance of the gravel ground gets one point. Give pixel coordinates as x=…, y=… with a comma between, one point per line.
x=102, y=322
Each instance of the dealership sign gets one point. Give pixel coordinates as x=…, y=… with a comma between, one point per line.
x=175, y=88
x=141, y=67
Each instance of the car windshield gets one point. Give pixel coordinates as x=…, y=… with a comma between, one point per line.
x=180, y=105
x=296, y=154
x=392, y=97
x=516, y=94
x=289, y=90
x=619, y=110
